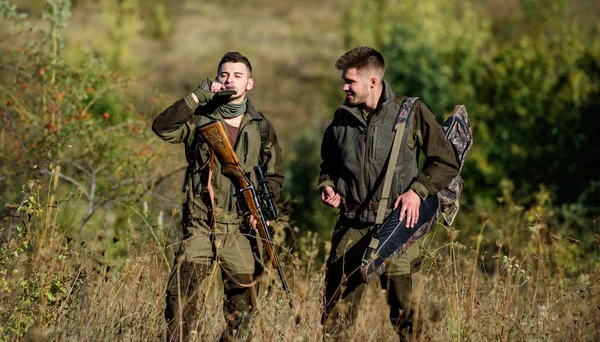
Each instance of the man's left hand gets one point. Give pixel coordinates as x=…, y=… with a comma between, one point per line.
x=252, y=222
x=410, y=202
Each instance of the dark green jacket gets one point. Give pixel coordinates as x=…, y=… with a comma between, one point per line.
x=355, y=150
x=177, y=124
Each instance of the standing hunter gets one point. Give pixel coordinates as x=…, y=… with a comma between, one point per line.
x=215, y=231
x=355, y=151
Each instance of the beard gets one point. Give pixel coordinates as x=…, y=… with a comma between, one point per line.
x=354, y=99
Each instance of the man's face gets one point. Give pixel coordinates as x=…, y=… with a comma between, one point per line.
x=235, y=76
x=356, y=86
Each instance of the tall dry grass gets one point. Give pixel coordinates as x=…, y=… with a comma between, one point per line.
x=56, y=285
x=55, y=288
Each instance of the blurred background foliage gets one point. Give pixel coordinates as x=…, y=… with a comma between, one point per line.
x=528, y=72
x=81, y=82
x=90, y=196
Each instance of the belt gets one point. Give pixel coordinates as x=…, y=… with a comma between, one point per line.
x=372, y=206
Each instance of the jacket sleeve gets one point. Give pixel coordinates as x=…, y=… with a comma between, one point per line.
x=274, y=163
x=330, y=160
x=441, y=165
x=173, y=124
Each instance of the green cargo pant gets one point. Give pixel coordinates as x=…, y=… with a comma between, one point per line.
x=344, y=287
x=236, y=252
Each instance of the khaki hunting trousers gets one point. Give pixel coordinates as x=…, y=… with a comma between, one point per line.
x=344, y=287
x=203, y=252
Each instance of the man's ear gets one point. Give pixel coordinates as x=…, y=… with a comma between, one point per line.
x=373, y=81
x=250, y=84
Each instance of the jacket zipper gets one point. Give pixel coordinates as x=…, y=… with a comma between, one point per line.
x=245, y=147
x=373, y=149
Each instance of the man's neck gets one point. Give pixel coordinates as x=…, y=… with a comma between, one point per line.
x=235, y=122
x=238, y=100
x=373, y=100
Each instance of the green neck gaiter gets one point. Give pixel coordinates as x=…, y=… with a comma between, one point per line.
x=231, y=110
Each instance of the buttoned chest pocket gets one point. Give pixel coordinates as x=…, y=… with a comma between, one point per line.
x=248, y=147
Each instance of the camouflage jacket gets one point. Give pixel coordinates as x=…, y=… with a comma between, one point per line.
x=177, y=124
x=355, y=149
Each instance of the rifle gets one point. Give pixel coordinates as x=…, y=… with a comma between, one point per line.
x=214, y=134
x=264, y=195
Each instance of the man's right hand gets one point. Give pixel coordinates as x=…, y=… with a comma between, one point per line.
x=216, y=87
x=204, y=92
x=221, y=90
x=208, y=89
x=330, y=198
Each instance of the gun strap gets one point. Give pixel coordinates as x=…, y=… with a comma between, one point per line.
x=211, y=191
x=263, y=127
x=399, y=127
x=232, y=278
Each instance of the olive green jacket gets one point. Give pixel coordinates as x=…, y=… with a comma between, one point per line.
x=177, y=124
x=355, y=150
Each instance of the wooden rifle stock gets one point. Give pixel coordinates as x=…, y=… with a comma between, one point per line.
x=214, y=134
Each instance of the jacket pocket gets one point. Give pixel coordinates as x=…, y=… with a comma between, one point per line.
x=198, y=209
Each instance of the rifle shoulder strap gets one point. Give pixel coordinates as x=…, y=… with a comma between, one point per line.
x=263, y=126
x=403, y=113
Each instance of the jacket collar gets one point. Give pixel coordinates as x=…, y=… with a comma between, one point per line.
x=250, y=111
x=387, y=96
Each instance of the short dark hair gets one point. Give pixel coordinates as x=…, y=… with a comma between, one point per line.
x=235, y=57
x=362, y=57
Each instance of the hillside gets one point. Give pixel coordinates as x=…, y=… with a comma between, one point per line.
x=91, y=200
x=291, y=44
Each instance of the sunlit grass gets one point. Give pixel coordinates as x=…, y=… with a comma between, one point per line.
x=55, y=288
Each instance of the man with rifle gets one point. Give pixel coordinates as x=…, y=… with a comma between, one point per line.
x=218, y=226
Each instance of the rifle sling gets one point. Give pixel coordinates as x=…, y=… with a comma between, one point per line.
x=403, y=114
x=232, y=278
x=387, y=183
x=211, y=191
